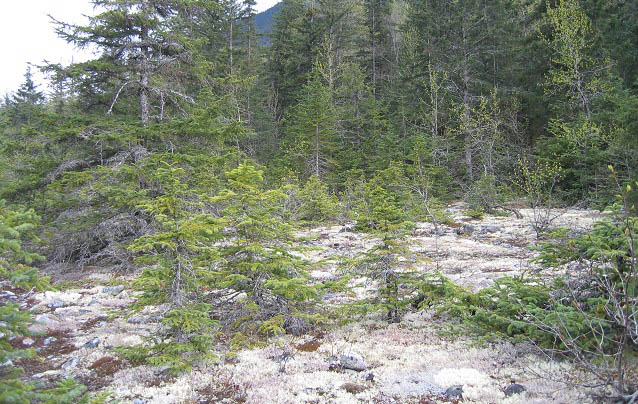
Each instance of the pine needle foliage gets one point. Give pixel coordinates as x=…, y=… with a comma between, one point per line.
x=389, y=264
x=177, y=260
x=264, y=282
x=15, y=226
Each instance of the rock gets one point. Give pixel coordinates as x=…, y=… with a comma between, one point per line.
x=514, y=389
x=346, y=229
x=370, y=377
x=352, y=362
x=8, y=363
x=27, y=342
x=93, y=343
x=47, y=319
x=136, y=320
x=113, y=290
x=491, y=229
x=139, y=401
x=49, y=340
x=48, y=373
x=454, y=392
x=71, y=363
x=466, y=229
x=408, y=384
x=56, y=304
x=8, y=295
x=353, y=388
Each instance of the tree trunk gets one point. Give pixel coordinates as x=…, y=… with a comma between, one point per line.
x=144, y=74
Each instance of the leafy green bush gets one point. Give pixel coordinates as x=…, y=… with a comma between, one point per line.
x=589, y=315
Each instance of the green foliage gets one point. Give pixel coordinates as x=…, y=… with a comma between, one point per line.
x=259, y=270
x=390, y=263
x=588, y=317
x=15, y=226
x=573, y=74
x=311, y=128
x=13, y=322
x=485, y=195
x=311, y=204
x=177, y=257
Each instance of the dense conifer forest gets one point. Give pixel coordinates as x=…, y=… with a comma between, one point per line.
x=192, y=156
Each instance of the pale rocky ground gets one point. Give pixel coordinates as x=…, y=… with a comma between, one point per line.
x=406, y=362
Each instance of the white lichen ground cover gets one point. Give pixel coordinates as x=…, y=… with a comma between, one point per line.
x=407, y=362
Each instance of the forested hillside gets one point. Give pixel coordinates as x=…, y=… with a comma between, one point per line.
x=190, y=160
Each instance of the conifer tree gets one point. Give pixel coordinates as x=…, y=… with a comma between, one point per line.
x=260, y=272
x=143, y=52
x=311, y=128
x=389, y=263
x=15, y=226
x=178, y=258
x=27, y=102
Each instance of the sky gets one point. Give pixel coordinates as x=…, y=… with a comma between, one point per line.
x=27, y=36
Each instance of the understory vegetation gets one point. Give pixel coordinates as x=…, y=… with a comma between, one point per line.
x=190, y=153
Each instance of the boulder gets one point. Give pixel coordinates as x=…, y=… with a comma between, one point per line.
x=113, y=290
x=454, y=392
x=466, y=229
x=352, y=362
x=71, y=363
x=92, y=343
x=514, y=388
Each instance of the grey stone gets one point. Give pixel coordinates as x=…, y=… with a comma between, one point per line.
x=408, y=384
x=465, y=229
x=113, y=290
x=56, y=304
x=514, y=389
x=491, y=229
x=93, y=343
x=136, y=320
x=139, y=401
x=454, y=392
x=370, y=377
x=8, y=363
x=352, y=362
x=28, y=342
x=47, y=319
x=49, y=340
x=71, y=363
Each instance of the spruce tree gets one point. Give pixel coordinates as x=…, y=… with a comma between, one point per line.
x=16, y=225
x=27, y=103
x=144, y=52
x=178, y=258
x=263, y=284
x=390, y=263
x=311, y=128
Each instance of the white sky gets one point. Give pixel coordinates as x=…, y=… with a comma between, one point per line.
x=26, y=36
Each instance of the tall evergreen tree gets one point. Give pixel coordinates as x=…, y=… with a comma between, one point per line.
x=310, y=129
x=143, y=53
x=27, y=103
x=461, y=39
